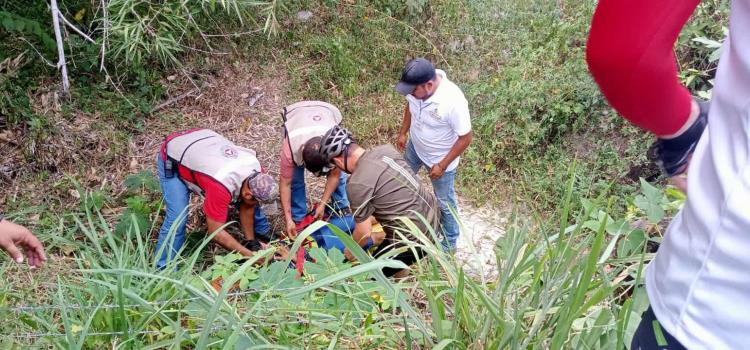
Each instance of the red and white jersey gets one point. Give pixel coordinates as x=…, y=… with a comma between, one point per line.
x=211, y=166
x=699, y=282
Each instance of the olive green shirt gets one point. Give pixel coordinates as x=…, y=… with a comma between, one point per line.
x=384, y=186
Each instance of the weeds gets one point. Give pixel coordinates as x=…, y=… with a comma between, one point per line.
x=570, y=274
x=520, y=64
x=558, y=287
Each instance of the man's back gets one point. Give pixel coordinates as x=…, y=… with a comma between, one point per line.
x=383, y=186
x=205, y=159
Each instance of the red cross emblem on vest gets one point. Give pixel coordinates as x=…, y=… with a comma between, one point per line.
x=229, y=152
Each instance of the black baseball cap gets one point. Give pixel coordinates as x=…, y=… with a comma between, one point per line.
x=416, y=72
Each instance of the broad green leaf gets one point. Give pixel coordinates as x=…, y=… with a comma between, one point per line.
x=632, y=243
x=651, y=201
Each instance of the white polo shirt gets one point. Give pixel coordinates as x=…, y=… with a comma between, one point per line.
x=699, y=282
x=437, y=122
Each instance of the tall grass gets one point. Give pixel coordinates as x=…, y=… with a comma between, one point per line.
x=553, y=290
x=563, y=287
x=140, y=30
x=118, y=298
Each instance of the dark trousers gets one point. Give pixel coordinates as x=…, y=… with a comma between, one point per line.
x=408, y=257
x=651, y=336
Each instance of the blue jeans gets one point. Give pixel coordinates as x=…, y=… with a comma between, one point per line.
x=324, y=237
x=445, y=193
x=176, y=199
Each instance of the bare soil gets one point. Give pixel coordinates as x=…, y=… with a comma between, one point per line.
x=481, y=227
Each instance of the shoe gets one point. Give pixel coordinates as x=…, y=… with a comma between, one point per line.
x=672, y=155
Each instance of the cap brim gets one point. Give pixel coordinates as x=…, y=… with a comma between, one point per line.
x=267, y=201
x=405, y=88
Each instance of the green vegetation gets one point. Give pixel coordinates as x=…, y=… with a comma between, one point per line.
x=569, y=269
x=570, y=286
x=520, y=63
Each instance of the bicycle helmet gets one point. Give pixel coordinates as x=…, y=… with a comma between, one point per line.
x=334, y=142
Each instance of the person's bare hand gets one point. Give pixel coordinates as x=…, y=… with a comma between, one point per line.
x=319, y=211
x=401, y=142
x=291, y=229
x=348, y=254
x=282, y=253
x=436, y=171
x=680, y=182
x=14, y=238
x=377, y=237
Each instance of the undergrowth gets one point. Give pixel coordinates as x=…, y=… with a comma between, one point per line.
x=521, y=65
x=570, y=270
x=573, y=282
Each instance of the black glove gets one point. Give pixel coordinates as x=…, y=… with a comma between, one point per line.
x=251, y=244
x=672, y=155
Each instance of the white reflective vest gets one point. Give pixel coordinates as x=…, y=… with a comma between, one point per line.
x=207, y=152
x=307, y=119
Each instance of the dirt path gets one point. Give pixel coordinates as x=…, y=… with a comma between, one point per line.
x=481, y=228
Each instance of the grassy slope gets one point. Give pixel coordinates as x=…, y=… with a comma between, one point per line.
x=535, y=108
x=520, y=64
x=535, y=111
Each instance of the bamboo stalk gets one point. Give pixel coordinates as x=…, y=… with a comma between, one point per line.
x=60, y=48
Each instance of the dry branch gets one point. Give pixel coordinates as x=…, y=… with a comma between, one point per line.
x=75, y=29
x=174, y=100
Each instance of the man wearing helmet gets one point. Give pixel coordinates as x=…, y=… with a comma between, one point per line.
x=304, y=123
x=381, y=185
x=204, y=162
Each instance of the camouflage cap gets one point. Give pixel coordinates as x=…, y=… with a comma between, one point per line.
x=264, y=187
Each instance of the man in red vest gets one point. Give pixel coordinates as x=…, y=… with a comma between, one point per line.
x=224, y=174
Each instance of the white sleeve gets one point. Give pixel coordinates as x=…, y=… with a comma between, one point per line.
x=460, y=120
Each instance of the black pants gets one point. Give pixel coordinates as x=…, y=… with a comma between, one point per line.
x=408, y=257
x=651, y=336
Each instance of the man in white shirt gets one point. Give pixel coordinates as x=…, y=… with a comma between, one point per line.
x=439, y=125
